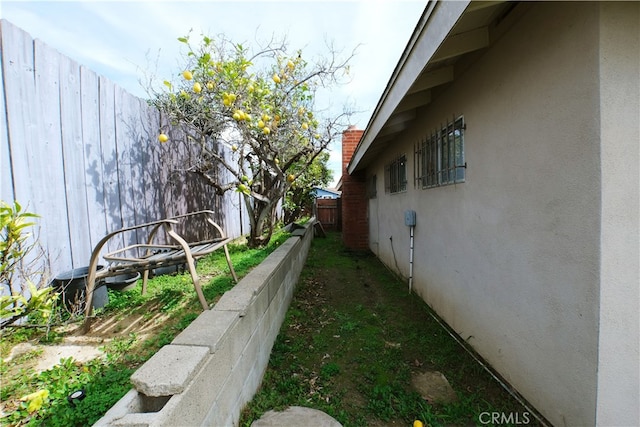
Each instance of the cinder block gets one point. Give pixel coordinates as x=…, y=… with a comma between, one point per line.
x=259, y=304
x=264, y=325
x=235, y=350
x=237, y=299
x=135, y=420
x=239, y=335
x=129, y=403
x=252, y=348
x=169, y=371
x=230, y=390
x=255, y=279
x=214, y=417
x=188, y=408
x=208, y=329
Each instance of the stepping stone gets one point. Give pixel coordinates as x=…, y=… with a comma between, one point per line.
x=434, y=387
x=296, y=416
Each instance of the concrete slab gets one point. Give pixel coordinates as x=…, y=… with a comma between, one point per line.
x=170, y=370
x=296, y=416
x=434, y=387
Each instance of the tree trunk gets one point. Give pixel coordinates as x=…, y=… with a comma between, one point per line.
x=262, y=221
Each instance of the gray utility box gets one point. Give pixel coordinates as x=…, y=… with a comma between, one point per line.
x=410, y=218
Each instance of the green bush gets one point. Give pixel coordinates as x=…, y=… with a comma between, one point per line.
x=27, y=296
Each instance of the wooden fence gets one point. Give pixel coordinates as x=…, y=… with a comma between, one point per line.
x=329, y=213
x=83, y=154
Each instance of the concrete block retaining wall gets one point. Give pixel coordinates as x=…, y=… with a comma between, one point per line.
x=215, y=366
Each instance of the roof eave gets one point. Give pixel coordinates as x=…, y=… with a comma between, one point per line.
x=431, y=31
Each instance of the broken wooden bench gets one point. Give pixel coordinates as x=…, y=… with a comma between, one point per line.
x=145, y=257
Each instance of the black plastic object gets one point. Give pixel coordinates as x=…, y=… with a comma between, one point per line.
x=76, y=396
x=72, y=287
x=122, y=282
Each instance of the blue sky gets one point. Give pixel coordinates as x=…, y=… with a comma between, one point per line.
x=124, y=40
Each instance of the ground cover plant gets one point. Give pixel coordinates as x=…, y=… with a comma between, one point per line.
x=129, y=330
x=352, y=340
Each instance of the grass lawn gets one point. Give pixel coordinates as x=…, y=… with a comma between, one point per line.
x=352, y=341
x=128, y=331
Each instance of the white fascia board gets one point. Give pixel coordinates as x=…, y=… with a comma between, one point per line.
x=430, y=33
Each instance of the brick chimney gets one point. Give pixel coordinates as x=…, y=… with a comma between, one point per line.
x=355, y=228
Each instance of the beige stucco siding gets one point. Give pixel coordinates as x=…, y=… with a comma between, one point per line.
x=510, y=258
x=619, y=348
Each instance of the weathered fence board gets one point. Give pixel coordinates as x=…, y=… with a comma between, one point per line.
x=123, y=113
x=73, y=160
x=46, y=164
x=83, y=153
x=6, y=180
x=93, y=169
x=21, y=116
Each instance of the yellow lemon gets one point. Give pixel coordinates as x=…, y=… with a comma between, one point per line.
x=234, y=147
x=260, y=124
x=276, y=78
x=197, y=88
x=266, y=130
x=290, y=64
x=210, y=86
x=418, y=423
x=305, y=126
x=291, y=177
x=163, y=138
x=187, y=75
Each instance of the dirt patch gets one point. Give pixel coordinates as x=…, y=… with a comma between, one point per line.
x=85, y=347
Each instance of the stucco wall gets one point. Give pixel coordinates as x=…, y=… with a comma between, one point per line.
x=619, y=349
x=510, y=258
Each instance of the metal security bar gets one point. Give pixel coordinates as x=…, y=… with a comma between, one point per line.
x=395, y=175
x=439, y=157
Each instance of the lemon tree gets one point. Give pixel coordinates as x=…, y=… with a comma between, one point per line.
x=250, y=119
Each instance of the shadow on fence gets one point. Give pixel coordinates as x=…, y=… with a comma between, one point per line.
x=83, y=153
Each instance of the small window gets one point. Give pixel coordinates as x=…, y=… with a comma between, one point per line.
x=395, y=175
x=373, y=187
x=440, y=156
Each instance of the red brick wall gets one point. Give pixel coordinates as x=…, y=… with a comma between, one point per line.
x=355, y=229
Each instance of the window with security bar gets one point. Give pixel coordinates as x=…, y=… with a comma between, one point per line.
x=395, y=175
x=439, y=157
